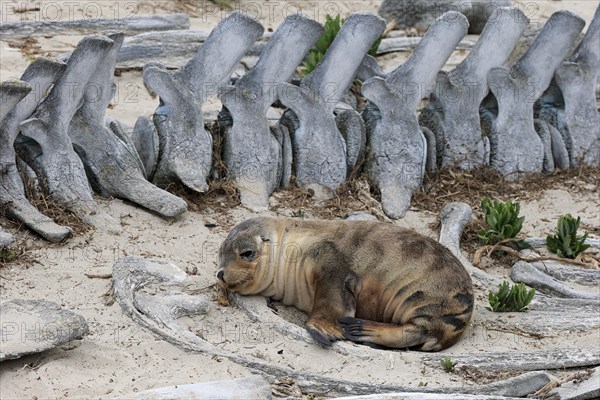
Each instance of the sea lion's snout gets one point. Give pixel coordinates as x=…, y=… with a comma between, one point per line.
x=221, y=275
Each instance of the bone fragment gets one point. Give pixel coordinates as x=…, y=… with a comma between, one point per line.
x=110, y=159
x=516, y=148
x=128, y=25
x=49, y=152
x=397, y=149
x=256, y=168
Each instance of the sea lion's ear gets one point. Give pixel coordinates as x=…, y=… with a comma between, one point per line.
x=265, y=239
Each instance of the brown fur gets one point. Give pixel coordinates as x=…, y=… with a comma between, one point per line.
x=368, y=282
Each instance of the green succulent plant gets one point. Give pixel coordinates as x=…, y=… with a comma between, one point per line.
x=503, y=222
x=315, y=54
x=510, y=298
x=565, y=241
x=447, y=364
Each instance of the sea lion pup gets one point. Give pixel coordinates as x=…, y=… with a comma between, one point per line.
x=368, y=282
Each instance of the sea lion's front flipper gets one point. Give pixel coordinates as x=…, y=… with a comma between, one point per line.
x=323, y=323
x=334, y=295
x=388, y=335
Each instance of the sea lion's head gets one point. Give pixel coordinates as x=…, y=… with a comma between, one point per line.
x=240, y=254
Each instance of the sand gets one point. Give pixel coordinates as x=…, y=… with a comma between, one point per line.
x=119, y=357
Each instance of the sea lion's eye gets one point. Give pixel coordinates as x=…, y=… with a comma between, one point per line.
x=247, y=255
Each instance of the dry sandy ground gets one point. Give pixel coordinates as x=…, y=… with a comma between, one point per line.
x=119, y=357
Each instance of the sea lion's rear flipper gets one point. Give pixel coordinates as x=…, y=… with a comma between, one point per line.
x=388, y=335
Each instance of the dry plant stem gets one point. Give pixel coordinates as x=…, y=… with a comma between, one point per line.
x=498, y=246
x=99, y=276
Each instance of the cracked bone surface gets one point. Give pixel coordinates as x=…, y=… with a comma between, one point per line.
x=516, y=148
x=256, y=169
x=318, y=146
x=6, y=239
x=577, y=79
x=50, y=151
x=185, y=148
x=36, y=80
x=460, y=92
x=397, y=151
x=111, y=163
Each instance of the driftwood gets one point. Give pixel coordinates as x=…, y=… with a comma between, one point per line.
x=133, y=24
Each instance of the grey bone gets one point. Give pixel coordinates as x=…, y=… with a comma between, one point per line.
x=130, y=274
x=557, y=321
x=19, y=99
x=111, y=162
x=589, y=389
x=318, y=146
x=65, y=326
x=6, y=239
x=454, y=217
x=174, y=48
x=250, y=387
x=185, y=148
x=135, y=24
x=516, y=148
x=530, y=275
x=50, y=154
x=564, y=271
x=524, y=360
x=541, y=242
x=397, y=152
x=577, y=79
x=460, y=92
x=256, y=168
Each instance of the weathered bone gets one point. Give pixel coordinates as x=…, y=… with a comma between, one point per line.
x=564, y=271
x=460, y=92
x=145, y=141
x=530, y=275
x=454, y=217
x=534, y=360
x=251, y=387
x=541, y=242
x=185, y=148
x=51, y=153
x=575, y=390
x=40, y=75
x=160, y=314
x=255, y=168
x=112, y=164
x=557, y=321
x=6, y=239
x=516, y=148
x=134, y=24
x=577, y=78
x=397, y=151
x=319, y=148
x=33, y=326
x=519, y=386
